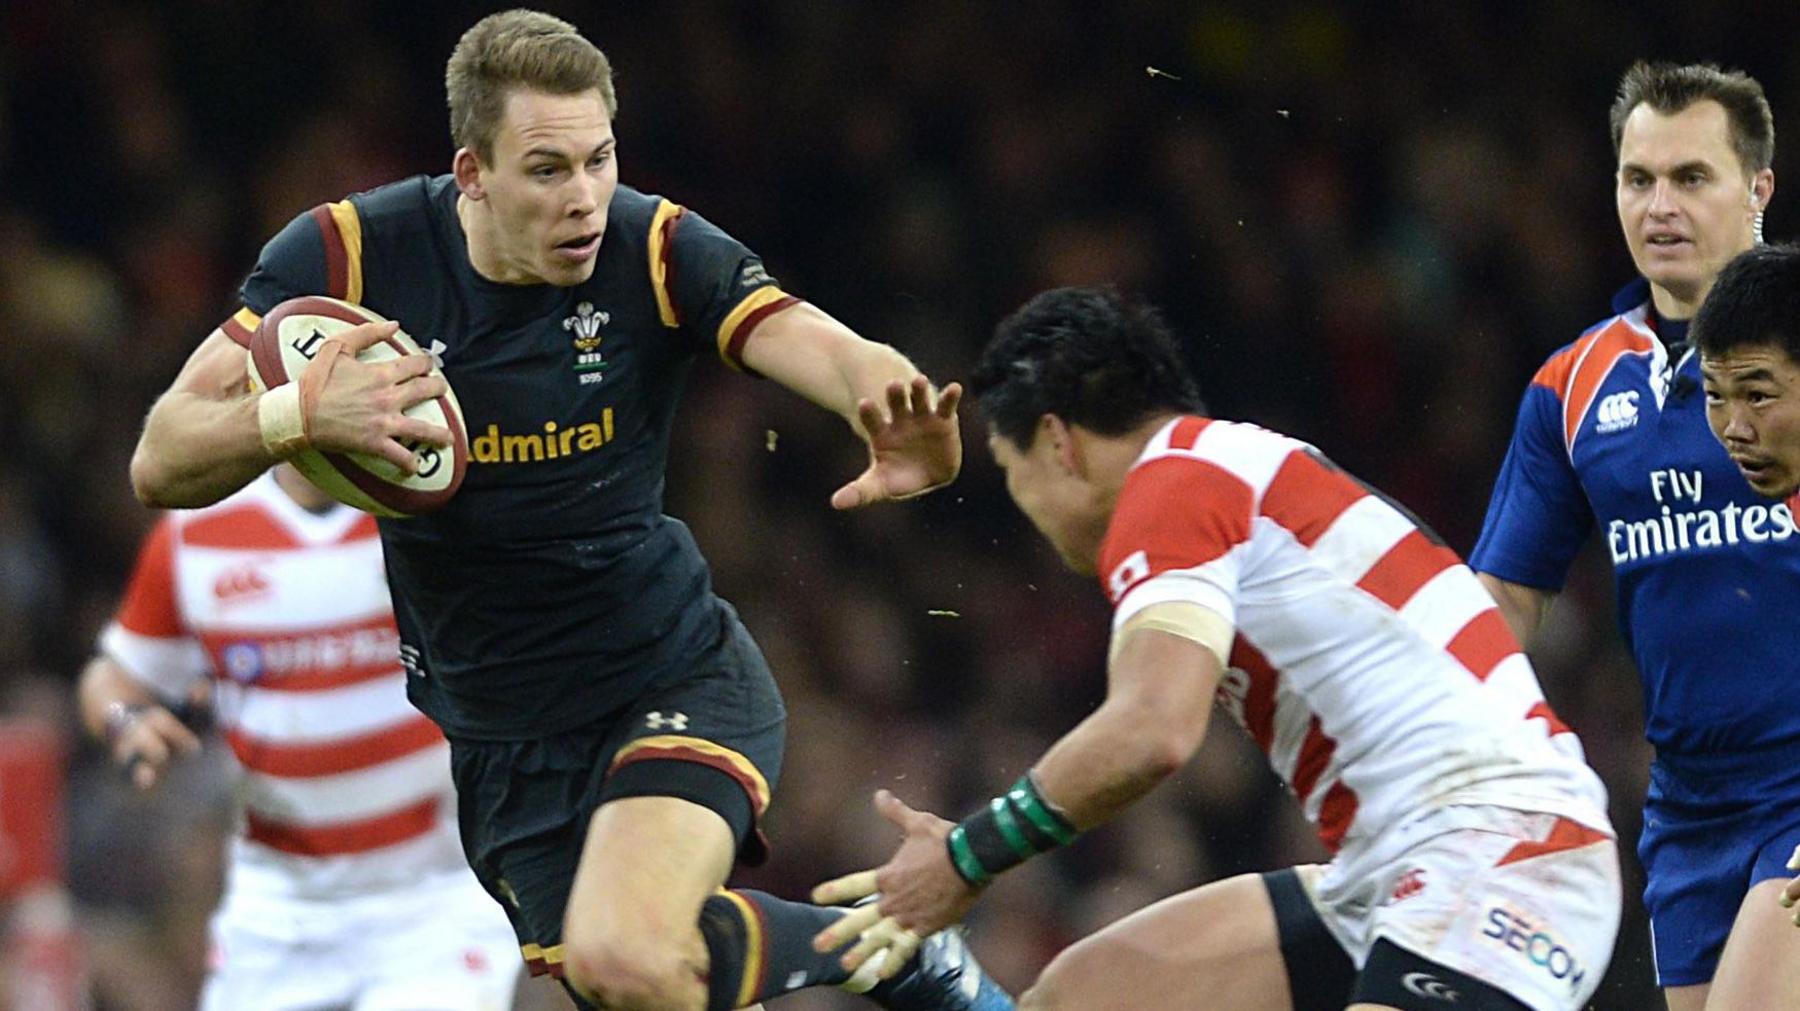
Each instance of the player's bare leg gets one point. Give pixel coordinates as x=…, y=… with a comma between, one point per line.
x=1760, y=966
x=1687, y=998
x=631, y=940
x=1219, y=940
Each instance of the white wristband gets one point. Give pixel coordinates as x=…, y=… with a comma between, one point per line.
x=278, y=416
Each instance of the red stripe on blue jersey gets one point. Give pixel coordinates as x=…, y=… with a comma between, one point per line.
x=1576, y=373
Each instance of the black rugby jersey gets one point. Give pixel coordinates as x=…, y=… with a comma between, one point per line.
x=551, y=590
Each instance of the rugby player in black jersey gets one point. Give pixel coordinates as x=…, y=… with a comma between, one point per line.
x=615, y=733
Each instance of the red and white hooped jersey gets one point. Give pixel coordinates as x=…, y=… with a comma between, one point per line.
x=345, y=786
x=1369, y=664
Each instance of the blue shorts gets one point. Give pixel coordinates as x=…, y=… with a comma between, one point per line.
x=1702, y=852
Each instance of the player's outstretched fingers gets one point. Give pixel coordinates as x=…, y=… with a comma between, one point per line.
x=848, y=888
x=948, y=398
x=896, y=398
x=848, y=928
x=894, y=809
x=869, y=413
x=921, y=395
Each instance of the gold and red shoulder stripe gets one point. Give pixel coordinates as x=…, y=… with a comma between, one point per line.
x=341, y=229
x=697, y=749
x=662, y=243
x=241, y=326
x=740, y=322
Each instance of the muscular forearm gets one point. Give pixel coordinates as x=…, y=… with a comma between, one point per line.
x=196, y=450
x=1158, y=704
x=1107, y=762
x=804, y=349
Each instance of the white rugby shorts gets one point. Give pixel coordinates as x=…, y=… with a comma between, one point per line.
x=442, y=945
x=1527, y=902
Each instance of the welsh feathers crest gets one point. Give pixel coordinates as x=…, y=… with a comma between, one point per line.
x=585, y=325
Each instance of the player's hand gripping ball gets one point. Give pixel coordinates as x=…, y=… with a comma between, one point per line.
x=286, y=342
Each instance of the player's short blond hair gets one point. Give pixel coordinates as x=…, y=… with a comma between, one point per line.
x=517, y=49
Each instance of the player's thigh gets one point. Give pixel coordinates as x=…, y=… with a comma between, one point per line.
x=648, y=864
x=445, y=948
x=1687, y=998
x=1219, y=941
x=1760, y=967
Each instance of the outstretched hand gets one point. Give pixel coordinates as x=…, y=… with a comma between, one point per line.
x=915, y=445
x=918, y=892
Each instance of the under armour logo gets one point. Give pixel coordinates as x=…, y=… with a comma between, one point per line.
x=673, y=721
x=1426, y=985
x=436, y=351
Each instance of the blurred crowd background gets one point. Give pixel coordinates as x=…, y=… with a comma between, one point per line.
x=1369, y=222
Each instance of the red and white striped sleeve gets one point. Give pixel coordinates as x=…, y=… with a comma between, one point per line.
x=1178, y=534
x=148, y=637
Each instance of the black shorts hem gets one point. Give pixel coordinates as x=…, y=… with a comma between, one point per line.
x=1320, y=974
x=699, y=784
x=1403, y=979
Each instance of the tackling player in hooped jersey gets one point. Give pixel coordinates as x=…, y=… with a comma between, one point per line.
x=615, y=734
x=1612, y=434
x=1473, y=860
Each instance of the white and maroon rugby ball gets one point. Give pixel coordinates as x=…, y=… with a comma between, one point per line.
x=286, y=341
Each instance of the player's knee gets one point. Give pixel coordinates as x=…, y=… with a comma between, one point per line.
x=627, y=975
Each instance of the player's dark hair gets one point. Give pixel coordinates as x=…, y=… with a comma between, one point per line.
x=517, y=49
x=1090, y=356
x=1669, y=88
x=1754, y=301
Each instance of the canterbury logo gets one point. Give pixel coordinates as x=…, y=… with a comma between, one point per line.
x=1426, y=985
x=1410, y=884
x=554, y=442
x=673, y=721
x=1617, y=412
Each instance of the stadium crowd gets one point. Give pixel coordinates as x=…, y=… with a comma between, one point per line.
x=1372, y=226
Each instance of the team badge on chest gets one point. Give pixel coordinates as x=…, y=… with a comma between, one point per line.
x=585, y=325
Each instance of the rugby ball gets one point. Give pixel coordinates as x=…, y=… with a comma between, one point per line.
x=286, y=341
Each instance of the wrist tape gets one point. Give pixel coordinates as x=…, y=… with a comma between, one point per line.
x=1012, y=828
x=284, y=414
